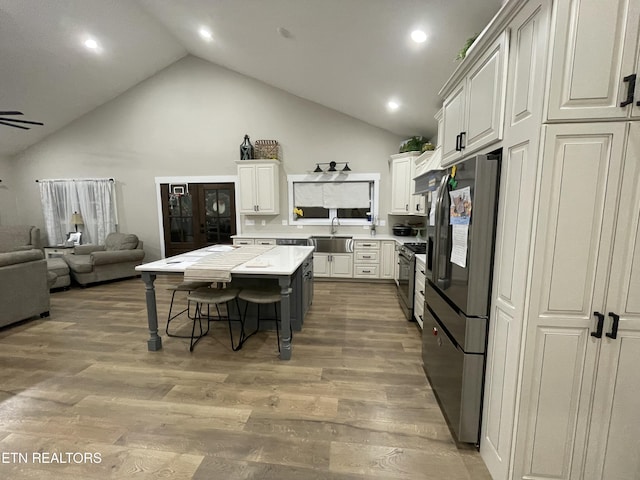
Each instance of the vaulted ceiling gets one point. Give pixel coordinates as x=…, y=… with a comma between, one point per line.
x=350, y=55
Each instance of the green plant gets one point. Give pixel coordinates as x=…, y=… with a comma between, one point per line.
x=463, y=51
x=413, y=144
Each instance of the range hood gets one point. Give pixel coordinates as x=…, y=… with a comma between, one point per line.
x=427, y=182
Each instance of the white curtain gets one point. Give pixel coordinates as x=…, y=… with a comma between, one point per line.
x=94, y=199
x=332, y=194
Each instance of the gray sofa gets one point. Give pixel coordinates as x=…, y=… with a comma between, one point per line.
x=116, y=259
x=24, y=292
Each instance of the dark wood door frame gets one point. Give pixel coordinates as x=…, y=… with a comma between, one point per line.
x=192, y=221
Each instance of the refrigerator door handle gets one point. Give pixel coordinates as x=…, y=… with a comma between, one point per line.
x=436, y=247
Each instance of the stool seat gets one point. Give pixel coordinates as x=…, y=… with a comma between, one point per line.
x=260, y=295
x=213, y=295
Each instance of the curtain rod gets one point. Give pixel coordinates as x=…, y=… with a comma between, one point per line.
x=74, y=179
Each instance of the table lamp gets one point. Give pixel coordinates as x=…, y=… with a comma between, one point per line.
x=76, y=219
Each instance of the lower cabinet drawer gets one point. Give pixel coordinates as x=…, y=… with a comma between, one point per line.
x=366, y=271
x=243, y=241
x=367, y=256
x=265, y=241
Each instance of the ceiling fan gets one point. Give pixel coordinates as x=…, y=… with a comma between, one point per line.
x=9, y=122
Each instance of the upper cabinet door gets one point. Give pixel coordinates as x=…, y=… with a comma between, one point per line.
x=452, y=125
x=247, y=179
x=473, y=113
x=595, y=47
x=485, y=98
x=267, y=188
x=401, y=179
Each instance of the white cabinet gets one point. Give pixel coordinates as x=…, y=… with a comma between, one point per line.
x=337, y=265
x=473, y=112
x=264, y=241
x=418, y=294
x=388, y=259
x=403, y=170
x=258, y=187
x=243, y=241
x=366, y=259
x=596, y=49
x=577, y=413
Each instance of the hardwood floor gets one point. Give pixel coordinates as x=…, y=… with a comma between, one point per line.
x=352, y=404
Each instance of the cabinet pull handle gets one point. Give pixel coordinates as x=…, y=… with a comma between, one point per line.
x=366, y=271
x=422, y=272
x=613, y=334
x=598, y=332
x=463, y=140
x=631, y=87
x=458, y=143
x=406, y=207
x=422, y=292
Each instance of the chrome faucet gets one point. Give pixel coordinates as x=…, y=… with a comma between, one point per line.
x=334, y=228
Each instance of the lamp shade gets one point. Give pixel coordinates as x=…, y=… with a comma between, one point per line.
x=76, y=219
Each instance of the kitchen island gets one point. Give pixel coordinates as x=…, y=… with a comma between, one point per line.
x=285, y=264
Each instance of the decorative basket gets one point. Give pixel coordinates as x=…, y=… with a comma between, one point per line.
x=267, y=149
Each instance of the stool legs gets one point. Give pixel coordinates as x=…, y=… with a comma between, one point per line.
x=276, y=319
x=198, y=317
x=170, y=317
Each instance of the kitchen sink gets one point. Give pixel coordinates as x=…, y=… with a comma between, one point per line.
x=332, y=244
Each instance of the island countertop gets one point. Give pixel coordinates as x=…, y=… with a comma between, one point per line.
x=280, y=260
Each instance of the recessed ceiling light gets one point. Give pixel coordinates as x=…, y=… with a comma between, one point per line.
x=205, y=33
x=91, y=44
x=393, y=105
x=418, y=36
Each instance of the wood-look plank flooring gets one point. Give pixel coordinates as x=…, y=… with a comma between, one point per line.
x=352, y=404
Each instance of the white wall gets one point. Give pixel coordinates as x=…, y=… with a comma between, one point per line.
x=190, y=119
x=8, y=201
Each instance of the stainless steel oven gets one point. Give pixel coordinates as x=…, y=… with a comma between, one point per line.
x=407, y=275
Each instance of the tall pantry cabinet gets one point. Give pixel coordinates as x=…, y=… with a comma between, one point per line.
x=563, y=365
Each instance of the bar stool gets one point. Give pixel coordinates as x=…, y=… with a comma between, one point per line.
x=262, y=296
x=182, y=287
x=216, y=297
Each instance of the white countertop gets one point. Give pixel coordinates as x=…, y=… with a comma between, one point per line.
x=280, y=260
x=357, y=236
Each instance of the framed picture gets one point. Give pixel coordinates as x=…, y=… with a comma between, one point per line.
x=73, y=238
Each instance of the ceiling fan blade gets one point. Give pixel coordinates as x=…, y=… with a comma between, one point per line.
x=21, y=121
x=15, y=126
x=11, y=113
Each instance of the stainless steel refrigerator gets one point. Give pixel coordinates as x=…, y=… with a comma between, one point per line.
x=460, y=228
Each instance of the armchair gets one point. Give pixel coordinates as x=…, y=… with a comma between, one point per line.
x=117, y=258
x=23, y=275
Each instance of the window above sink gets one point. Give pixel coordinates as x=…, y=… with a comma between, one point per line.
x=352, y=198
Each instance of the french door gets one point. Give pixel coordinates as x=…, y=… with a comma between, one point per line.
x=196, y=215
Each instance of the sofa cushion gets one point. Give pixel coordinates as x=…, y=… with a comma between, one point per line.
x=79, y=263
x=12, y=258
x=121, y=241
x=58, y=266
x=17, y=237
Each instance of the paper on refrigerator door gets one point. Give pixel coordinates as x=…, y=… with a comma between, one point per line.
x=459, y=236
x=460, y=210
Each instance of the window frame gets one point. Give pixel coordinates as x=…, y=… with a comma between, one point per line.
x=340, y=177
